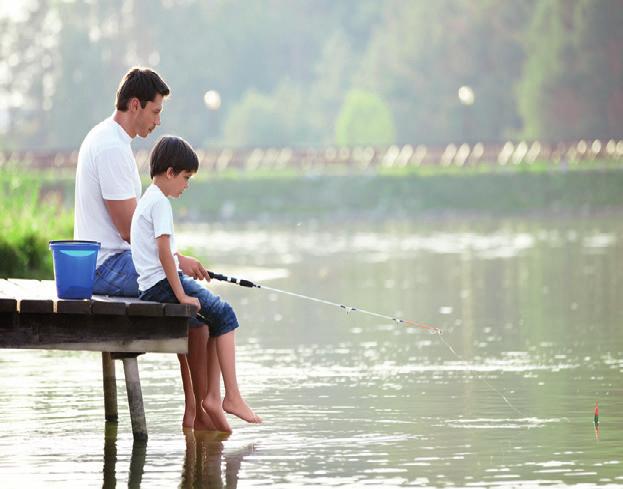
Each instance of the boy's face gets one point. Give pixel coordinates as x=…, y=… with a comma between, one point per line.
x=178, y=183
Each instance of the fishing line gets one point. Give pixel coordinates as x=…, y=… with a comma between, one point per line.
x=348, y=309
x=499, y=393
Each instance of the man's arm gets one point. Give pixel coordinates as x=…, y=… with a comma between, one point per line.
x=121, y=212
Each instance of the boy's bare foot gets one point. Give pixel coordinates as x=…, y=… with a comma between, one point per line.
x=213, y=408
x=237, y=407
x=203, y=422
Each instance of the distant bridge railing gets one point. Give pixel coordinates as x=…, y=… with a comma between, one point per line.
x=362, y=157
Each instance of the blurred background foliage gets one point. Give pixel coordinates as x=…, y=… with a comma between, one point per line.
x=31, y=216
x=308, y=72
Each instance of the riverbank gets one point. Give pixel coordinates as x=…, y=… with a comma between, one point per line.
x=37, y=207
x=410, y=196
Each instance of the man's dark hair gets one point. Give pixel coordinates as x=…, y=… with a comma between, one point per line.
x=172, y=152
x=141, y=83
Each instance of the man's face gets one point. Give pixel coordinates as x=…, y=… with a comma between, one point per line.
x=149, y=117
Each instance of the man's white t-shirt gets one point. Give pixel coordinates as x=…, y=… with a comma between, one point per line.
x=106, y=170
x=152, y=218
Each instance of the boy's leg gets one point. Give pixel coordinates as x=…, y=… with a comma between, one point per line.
x=197, y=350
x=213, y=308
x=189, y=397
x=212, y=401
x=233, y=402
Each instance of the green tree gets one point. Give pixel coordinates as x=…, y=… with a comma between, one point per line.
x=267, y=120
x=422, y=52
x=572, y=83
x=364, y=119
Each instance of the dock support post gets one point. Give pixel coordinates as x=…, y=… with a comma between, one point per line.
x=135, y=398
x=110, y=388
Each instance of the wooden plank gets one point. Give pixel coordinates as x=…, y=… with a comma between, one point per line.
x=108, y=307
x=34, y=289
x=70, y=306
x=179, y=310
x=36, y=306
x=10, y=330
x=121, y=355
x=175, y=345
x=111, y=413
x=96, y=333
x=135, y=398
x=144, y=308
x=33, y=296
x=8, y=305
x=8, y=290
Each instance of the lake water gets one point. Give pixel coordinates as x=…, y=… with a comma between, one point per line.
x=532, y=338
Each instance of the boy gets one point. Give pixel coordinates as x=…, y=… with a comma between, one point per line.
x=172, y=163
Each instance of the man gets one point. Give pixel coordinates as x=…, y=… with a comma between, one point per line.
x=108, y=187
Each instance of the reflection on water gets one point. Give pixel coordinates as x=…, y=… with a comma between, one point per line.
x=531, y=310
x=203, y=465
x=137, y=459
x=203, y=461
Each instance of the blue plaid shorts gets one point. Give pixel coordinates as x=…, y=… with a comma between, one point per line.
x=117, y=276
x=216, y=313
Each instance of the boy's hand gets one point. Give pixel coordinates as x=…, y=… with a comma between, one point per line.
x=193, y=267
x=191, y=301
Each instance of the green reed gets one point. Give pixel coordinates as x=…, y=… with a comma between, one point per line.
x=30, y=217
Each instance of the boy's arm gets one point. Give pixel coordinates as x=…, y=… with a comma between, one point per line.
x=168, y=264
x=192, y=267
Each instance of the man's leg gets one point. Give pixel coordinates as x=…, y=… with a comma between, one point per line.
x=197, y=350
x=189, y=397
x=117, y=276
x=212, y=401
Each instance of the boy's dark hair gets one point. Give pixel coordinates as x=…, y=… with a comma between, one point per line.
x=142, y=83
x=172, y=152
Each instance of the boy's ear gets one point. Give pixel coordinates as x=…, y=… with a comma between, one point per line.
x=170, y=172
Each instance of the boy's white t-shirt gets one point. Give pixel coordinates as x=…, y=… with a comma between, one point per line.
x=152, y=218
x=106, y=170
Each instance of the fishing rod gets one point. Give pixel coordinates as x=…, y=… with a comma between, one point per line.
x=431, y=329
x=348, y=309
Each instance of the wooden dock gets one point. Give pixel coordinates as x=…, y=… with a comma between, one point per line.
x=32, y=317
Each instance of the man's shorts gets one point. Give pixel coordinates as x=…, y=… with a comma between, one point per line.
x=215, y=312
x=117, y=276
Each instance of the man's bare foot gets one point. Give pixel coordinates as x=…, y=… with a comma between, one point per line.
x=216, y=413
x=188, y=421
x=237, y=407
x=203, y=422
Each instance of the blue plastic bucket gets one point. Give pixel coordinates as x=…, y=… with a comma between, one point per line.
x=74, y=268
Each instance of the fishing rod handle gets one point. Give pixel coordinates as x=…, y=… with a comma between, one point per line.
x=232, y=280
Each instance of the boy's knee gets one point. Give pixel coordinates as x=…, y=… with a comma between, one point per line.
x=227, y=312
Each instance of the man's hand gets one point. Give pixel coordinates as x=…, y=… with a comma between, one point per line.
x=193, y=267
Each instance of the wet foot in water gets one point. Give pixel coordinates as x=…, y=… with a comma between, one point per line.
x=213, y=408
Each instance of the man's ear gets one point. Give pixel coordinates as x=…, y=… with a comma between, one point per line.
x=135, y=103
